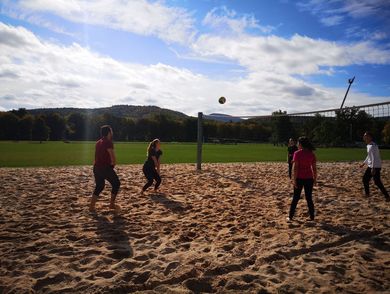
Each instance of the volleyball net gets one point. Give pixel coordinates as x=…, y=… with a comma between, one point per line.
x=376, y=110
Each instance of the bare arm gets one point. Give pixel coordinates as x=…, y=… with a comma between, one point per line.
x=314, y=167
x=295, y=173
x=156, y=164
x=112, y=156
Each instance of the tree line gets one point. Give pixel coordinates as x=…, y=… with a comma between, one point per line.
x=345, y=129
x=20, y=125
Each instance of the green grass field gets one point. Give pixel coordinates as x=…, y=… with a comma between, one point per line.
x=24, y=154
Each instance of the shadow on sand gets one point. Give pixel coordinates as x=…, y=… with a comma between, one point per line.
x=173, y=205
x=114, y=234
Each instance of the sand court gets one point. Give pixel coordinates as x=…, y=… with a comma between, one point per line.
x=218, y=231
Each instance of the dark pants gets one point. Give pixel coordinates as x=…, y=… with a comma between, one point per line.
x=308, y=185
x=151, y=174
x=105, y=173
x=377, y=180
x=290, y=165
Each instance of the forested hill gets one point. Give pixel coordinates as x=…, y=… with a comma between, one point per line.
x=128, y=111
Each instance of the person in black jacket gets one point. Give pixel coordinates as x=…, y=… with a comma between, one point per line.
x=292, y=147
x=151, y=168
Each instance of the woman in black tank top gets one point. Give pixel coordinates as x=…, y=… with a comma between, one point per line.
x=151, y=168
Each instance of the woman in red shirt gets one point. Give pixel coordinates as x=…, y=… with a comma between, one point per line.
x=304, y=175
x=103, y=168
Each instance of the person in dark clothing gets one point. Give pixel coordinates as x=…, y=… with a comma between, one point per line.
x=292, y=147
x=304, y=175
x=103, y=168
x=374, y=166
x=151, y=168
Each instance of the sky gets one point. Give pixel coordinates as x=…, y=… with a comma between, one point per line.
x=262, y=55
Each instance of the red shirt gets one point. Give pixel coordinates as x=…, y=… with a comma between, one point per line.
x=305, y=160
x=102, y=157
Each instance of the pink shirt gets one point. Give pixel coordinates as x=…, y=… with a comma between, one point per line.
x=102, y=157
x=305, y=160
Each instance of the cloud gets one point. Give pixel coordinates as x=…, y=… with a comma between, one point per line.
x=53, y=75
x=6, y=73
x=332, y=20
x=12, y=10
x=171, y=24
x=336, y=12
x=222, y=18
x=297, y=55
x=366, y=34
x=8, y=97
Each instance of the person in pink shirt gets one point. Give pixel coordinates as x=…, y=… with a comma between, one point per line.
x=304, y=175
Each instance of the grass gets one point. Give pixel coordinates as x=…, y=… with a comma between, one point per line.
x=26, y=154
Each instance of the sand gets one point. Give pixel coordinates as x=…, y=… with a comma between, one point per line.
x=221, y=230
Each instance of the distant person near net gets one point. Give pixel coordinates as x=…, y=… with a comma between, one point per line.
x=151, y=166
x=304, y=175
x=103, y=168
x=373, y=161
x=292, y=147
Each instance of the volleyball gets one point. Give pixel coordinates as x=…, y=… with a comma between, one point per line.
x=222, y=100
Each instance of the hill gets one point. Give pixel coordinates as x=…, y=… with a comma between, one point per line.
x=129, y=111
x=222, y=117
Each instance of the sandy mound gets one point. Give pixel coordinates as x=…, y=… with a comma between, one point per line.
x=219, y=230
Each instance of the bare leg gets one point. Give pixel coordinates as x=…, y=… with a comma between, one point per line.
x=112, y=201
x=92, y=203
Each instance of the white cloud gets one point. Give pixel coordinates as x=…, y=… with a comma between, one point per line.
x=335, y=12
x=222, y=18
x=298, y=55
x=38, y=73
x=333, y=20
x=171, y=24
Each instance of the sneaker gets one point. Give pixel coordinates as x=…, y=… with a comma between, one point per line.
x=288, y=219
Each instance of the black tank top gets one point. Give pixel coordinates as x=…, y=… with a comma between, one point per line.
x=149, y=161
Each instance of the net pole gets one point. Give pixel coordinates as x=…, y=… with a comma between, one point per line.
x=200, y=141
x=350, y=81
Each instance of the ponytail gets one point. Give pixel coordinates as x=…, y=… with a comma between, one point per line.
x=152, y=145
x=306, y=144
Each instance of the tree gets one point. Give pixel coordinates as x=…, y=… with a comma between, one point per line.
x=142, y=129
x=57, y=126
x=40, y=131
x=345, y=119
x=363, y=122
x=9, y=126
x=129, y=129
x=190, y=129
x=282, y=128
x=324, y=133
x=386, y=133
x=25, y=127
x=21, y=112
x=77, y=124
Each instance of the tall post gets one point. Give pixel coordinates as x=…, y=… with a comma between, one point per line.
x=200, y=141
x=350, y=81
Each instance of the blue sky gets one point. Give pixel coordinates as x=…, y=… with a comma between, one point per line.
x=183, y=55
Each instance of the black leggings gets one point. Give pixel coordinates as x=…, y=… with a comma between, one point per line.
x=105, y=173
x=377, y=180
x=151, y=174
x=290, y=164
x=308, y=185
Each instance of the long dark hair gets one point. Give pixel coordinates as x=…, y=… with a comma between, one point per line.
x=152, y=145
x=306, y=144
